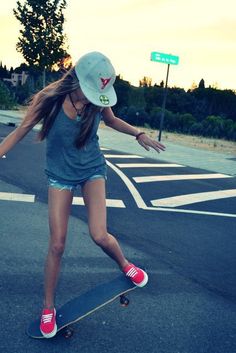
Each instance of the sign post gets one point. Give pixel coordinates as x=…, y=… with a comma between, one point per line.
x=169, y=60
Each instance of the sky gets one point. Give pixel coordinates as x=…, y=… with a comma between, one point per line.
x=201, y=32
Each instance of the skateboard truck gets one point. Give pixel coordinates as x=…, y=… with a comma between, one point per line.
x=68, y=332
x=124, y=301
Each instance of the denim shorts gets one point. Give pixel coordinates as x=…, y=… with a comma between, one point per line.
x=56, y=184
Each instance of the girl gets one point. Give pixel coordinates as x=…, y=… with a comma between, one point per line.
x=70, y=110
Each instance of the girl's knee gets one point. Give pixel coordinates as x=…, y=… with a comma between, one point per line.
x=57, y=247
x=100, y=237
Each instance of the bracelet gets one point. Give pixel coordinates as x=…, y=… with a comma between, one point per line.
x=137, y=136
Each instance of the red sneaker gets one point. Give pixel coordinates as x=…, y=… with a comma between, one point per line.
x=48, y=326
x=137, y=276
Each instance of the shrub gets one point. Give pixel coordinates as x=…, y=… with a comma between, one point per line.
x=185, y=121
x=6, y=99
x=213, y=126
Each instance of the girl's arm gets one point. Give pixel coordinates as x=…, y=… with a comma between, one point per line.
x=120, y=125
x=15, y=136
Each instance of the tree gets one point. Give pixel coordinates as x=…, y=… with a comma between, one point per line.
x=213, y=126
x=145, y=82
x=6, y=99
x=193, y=86
x=185, y=122
x=122, y=89
x=41, y=42
x=4, y=73
x=201, y=84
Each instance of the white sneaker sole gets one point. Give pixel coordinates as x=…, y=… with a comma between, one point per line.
x=144, y=282
x=51, y=334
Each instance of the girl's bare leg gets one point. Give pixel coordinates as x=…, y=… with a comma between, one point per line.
x=59, y=205
x=95, y=202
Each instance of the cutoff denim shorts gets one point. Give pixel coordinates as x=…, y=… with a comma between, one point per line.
x=57, y=184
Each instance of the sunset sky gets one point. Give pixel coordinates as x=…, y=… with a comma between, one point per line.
x=202, y=33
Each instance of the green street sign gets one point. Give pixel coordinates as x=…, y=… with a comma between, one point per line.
x=164, y=58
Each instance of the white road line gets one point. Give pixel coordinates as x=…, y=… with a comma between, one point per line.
x=109, y=202
x=6, y=196
x=188, y=199
x=104, y=149
x=141, y=204
x=134, y=192
x=121, y=156
x=179, y=210
x=148, y=165
x=148, y=179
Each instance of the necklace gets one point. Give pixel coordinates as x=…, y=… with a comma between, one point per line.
x=78, y=111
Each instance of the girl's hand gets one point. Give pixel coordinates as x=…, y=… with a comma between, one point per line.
x=146, y=142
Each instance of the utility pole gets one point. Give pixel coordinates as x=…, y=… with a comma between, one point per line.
x=164, y=103
x=164, y=59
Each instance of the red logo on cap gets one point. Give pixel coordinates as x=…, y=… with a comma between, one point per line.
x=105, y=81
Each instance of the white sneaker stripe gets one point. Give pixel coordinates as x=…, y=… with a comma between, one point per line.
x=132, y=272
x=129, y=273
x=47, y=318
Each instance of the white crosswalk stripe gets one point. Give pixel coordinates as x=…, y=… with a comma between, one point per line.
x=123, y=156
x=109, y=202
x=148, y=165
x=181, y=200
x=148, y=179
x=8, y=196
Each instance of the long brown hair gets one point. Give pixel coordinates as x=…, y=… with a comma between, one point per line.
x=47, y=103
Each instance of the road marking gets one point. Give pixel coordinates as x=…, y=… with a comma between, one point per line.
x=179, y=210
x=188, y=199
x=121, y=156
x=109, y=202
x=148, y=179
x=104, y=149
x=134, y=192
x=141, y=204
x=6, y=196
x=148, y=165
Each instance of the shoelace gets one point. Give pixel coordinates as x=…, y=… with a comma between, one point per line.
x=47, y=318
x=132, y=272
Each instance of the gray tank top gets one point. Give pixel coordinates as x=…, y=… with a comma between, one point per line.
x=64, y=161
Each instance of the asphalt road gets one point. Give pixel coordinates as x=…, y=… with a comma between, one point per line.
x=188, y=305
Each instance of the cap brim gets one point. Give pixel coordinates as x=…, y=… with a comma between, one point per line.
x=100, y=99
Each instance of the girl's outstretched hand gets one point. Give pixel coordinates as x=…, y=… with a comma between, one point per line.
x=147, y=142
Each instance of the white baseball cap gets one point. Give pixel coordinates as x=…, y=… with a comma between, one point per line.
x=96, y=76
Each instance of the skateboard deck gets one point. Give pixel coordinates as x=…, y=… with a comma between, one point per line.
x=87, y=303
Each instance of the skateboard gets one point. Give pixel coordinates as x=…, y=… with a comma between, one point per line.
x=87, y=303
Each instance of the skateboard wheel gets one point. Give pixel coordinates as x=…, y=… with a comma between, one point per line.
x=124, y=301
x=68, y=332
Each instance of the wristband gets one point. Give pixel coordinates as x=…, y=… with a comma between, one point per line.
x=137, y=136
